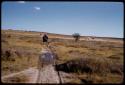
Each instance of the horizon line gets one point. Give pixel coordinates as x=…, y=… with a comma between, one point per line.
x=61, y=33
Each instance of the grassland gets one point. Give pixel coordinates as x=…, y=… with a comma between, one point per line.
x=19, y=51
x=93, y=61
x=90, y=61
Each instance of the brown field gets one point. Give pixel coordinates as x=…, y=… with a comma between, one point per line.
x=90, y=60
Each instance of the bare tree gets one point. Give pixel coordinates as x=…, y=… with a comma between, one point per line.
x=76, y=36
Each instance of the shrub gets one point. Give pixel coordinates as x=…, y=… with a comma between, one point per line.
x=91, y=65
x=76, y=36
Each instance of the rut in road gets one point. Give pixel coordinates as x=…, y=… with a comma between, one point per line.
x=48, y=75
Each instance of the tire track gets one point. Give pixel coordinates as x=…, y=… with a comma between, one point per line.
x=47, y=72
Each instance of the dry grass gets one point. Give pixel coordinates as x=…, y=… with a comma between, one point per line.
x=102, y=62
x=17, y=53
x=93, y=65
x=92, y=61
x=94, y=70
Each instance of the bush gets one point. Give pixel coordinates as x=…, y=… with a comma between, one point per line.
x=76, y=36
x=91, y=65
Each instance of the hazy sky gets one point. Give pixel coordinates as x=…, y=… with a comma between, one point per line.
x=86, y=18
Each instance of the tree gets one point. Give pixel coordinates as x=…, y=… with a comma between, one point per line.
x=76, y=36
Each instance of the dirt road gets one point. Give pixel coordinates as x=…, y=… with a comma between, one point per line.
x=31, y=75
x=47, y=74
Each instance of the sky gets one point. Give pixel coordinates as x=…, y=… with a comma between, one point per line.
x=102, y=19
